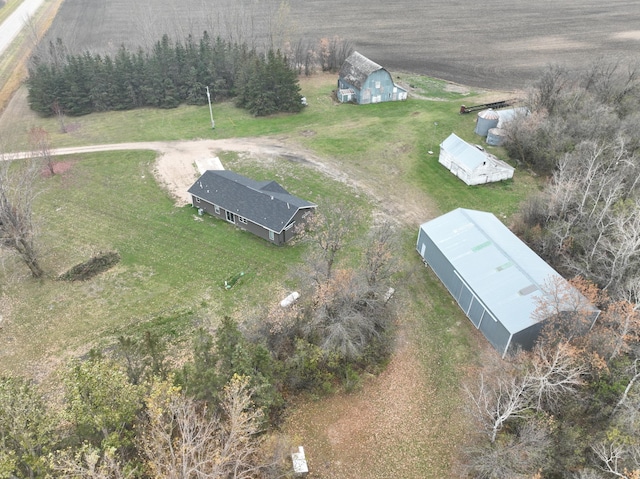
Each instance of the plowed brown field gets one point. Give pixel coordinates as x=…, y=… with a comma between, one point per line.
x=498, y=44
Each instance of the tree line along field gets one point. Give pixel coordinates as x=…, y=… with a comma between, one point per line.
x=498, y=44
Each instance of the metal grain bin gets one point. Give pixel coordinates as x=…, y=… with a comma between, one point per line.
x=487, y=119
x=496, y=136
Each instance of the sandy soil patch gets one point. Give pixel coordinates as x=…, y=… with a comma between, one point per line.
x=628, y=35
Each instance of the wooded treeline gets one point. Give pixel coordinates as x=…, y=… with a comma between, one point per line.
x=569, y=408
x=172, y=73
x=583, y=133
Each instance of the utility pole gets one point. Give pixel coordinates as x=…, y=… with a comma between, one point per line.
x=434, y=138
x=213, y=123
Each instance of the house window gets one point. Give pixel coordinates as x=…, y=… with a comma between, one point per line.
x=242, y=220
x=216, y=209
x=271, y=235
x=231, y=217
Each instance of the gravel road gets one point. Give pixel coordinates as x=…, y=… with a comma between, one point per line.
x=10, y=28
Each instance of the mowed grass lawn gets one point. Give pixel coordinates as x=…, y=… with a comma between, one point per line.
x=174, y=262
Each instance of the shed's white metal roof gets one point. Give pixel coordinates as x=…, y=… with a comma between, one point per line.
x=465, y=154
x=505, y=274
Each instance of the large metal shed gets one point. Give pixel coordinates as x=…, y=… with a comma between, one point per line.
x=495, y=278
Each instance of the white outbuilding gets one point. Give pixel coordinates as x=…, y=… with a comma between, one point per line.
x=471, y=164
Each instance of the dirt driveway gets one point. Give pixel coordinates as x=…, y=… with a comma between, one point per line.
x=177, y=168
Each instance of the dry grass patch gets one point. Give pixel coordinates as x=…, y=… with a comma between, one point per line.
x=399, y=425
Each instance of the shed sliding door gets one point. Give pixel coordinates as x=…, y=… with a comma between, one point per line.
x=469, y=303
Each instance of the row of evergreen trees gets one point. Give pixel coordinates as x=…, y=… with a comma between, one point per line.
x=170, y=74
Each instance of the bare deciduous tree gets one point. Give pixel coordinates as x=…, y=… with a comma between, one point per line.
x=612, y=84
x=555, y=373
x=183, y=440
x=90, y=463
x=17, y=192
x=378, y=253
x=593, y=225
x=333, y=52
x=566, y=307
x=520, y=455
x=40, y=141
x=329, y=232
x=617, y=330
x=59, y=113
x=618, y=459
x=550, y=88
x=634, y=376
x=500, y=400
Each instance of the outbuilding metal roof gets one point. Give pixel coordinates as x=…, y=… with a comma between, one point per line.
x=504, y=273
x=262, y=202
x=489, y=114
x=509, y=114
x=466, y=154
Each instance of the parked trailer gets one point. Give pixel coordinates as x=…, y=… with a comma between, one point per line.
x=495, y=105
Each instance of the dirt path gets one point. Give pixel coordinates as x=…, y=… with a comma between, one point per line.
x=177, y=168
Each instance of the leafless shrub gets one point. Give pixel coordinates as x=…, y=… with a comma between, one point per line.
x=17, y=229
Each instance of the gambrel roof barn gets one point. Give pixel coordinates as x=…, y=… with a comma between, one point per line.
x=364, y=81
x=262, y=207
x=496, y=279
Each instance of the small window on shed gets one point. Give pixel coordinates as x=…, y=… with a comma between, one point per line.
x=197, y=200
x=242, y=220
x=377, y=84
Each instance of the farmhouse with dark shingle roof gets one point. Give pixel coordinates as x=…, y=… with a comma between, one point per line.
x=364, y=81
x=263, y=208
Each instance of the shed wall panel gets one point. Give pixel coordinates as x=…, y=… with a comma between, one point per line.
x=495, y=333
x=527, y=337
x=476, y=312
x=464, y=298
x=440, y=265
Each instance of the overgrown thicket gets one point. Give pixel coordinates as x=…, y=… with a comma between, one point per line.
x=569, y=408
x=583, y=134
x=170, y=74
x=126, y=412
